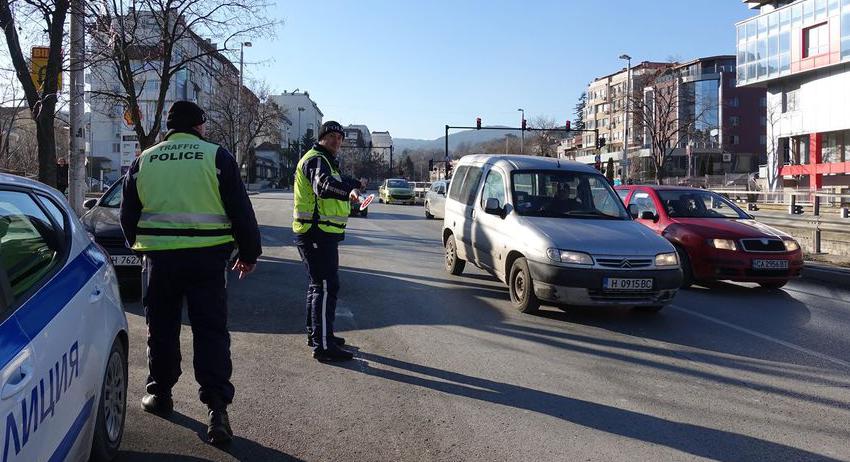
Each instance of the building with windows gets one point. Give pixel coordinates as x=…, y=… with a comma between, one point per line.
x=799, y=51
x=303, y=112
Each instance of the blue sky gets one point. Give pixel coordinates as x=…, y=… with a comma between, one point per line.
x=411, y=67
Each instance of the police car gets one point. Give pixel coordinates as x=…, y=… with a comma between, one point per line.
x=63, y=333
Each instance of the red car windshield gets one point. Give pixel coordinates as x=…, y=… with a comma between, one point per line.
x=698, y=204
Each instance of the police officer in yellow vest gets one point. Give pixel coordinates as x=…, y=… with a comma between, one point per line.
x=322, y=205
x=184, y=206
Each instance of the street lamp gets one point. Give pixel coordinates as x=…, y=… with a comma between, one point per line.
x=522, y=132
x=238, y=141
x=624, y=164
x=300, y=110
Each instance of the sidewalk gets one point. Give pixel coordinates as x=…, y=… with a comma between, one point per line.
x=833, y=269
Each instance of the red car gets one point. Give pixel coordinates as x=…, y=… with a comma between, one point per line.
x=716, y=240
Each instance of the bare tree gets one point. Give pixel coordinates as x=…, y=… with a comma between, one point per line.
x=259, y=118
x=668, y=114
x=145, y=45
x=545, y=143
x=774, y=154
x=49, y=17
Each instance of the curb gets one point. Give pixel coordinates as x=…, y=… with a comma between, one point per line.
x=826, y=273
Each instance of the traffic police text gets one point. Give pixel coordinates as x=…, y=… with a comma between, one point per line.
x=181, y=151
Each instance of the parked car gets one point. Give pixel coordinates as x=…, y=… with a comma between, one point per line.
x=396, y=190
x=420, y=188
x=102, y=222
x=435, y=200
x=554, y=231
x=715, y=239
x=62, y=331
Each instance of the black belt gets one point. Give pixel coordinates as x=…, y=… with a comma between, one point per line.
x=183, y=232
x=320, y=222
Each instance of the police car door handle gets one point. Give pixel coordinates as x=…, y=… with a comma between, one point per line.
x=20, y=375
x=96, y=295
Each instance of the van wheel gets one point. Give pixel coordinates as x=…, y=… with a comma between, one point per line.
x=428, y=214
x=112, y=409
x=522, y=288
x=364, y=213
x=454, y=265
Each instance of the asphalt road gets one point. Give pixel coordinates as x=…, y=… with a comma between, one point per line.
x=446, y=370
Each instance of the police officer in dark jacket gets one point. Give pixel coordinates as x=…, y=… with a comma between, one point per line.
x=322, y=206
x=184, y=206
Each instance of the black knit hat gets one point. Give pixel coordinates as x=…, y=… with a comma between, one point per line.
x=183, y=115
x=331, y=127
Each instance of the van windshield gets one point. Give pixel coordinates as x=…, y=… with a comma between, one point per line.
x=565, y=194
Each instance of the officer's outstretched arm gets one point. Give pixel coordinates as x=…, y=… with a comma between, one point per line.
x=325, y=185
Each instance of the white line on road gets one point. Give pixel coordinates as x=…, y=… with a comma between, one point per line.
x=764, y=337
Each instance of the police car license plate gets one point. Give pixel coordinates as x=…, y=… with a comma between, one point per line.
x=627, y=284
x=126, y=260
x=770, y=264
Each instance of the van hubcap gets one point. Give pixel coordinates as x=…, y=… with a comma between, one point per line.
x=114, y=401
x=519, y=286
x=450, y=254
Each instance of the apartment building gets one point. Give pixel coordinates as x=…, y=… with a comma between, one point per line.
x=799, y=51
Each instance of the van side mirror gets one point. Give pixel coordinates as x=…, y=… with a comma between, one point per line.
x=647, y=215
x=90, y=203
x=493, y=207
x=441, y=191
x=633, y=210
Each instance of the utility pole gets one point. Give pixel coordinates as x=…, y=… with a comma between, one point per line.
x=237, y=137
x=522, y=133
x=77, y=153
x=625, y=163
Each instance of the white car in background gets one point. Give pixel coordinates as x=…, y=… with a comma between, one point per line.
x=63, y=332
x=435, y=200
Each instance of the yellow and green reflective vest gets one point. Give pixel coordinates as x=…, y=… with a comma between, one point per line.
x=178, y=187
x=330, y=215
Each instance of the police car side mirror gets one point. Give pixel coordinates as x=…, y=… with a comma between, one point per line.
x=90, y=203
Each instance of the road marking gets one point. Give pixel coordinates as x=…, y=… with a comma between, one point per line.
x=764, y=337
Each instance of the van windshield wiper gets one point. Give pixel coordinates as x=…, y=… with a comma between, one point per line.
x=591, y=213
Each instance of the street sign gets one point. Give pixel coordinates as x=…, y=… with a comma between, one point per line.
x=38, y=67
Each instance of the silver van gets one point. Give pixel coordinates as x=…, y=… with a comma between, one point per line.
x=554, y=231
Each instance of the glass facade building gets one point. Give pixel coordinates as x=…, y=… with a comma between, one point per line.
x=804, y=35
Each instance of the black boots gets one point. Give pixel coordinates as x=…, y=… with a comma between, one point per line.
x=218, y=431
x=338, y=341
x=158, y=404
x=332, y=353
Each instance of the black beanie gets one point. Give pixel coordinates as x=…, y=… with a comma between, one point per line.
x=183, y=115
x=331, y=127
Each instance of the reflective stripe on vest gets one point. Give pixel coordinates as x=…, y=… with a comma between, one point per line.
x=330, y=215
x=179, y=190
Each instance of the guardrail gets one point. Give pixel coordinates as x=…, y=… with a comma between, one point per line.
x=804, y=210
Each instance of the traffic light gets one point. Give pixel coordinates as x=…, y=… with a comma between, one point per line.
x=478, y=123
x=523, y=123
x=448, y=169
x=568, y=126
x=430, y=165
x=600, y=143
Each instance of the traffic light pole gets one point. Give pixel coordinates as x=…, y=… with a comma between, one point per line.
x=520, y=129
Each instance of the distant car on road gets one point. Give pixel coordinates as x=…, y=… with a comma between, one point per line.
x=63, y=332
x=102, y=222
x=715, y=239
x=420, y=188
x=554, y=231
x=435, y=200
x=396, y=191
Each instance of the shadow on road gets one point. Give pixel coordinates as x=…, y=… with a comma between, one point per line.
x=241, y=449
x=691, y=439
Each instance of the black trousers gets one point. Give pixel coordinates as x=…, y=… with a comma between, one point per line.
x=199, y=276
x=321, y=257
